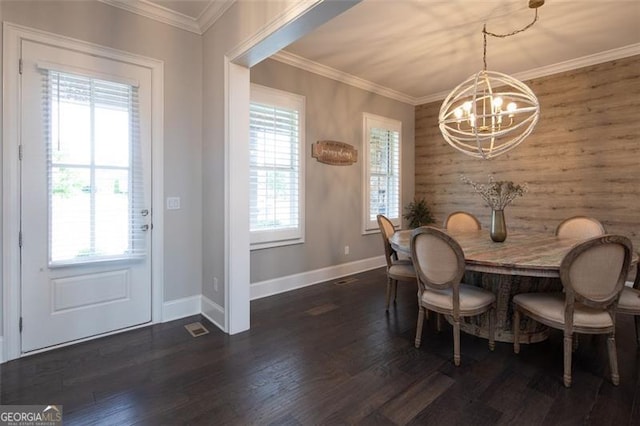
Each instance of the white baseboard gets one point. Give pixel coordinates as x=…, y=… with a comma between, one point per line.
x=213, y=312
x=193, y=305
x=291, y=282
x=180, y=308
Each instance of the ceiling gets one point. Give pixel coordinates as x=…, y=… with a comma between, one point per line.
x=418, y=50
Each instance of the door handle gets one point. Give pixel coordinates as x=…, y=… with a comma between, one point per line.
x=144, y=212
x=144, y=228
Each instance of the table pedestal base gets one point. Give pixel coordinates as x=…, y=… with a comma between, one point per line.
x=505, y=287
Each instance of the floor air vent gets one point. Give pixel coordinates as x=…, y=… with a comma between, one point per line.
x=196, y=329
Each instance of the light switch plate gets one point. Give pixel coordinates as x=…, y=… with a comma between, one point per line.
x=173, y=203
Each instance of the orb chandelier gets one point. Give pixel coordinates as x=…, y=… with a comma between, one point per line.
x=490, y=113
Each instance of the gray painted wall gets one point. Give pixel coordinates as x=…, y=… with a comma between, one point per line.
x=333, y=197
x=238, y=24
x=182, y=54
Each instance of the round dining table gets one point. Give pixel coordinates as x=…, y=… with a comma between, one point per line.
x=523, y=263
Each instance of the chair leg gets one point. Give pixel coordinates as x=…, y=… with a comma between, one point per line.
x=389, y=280
x=456, y=341
x=419, y=326
x=613, y=359
x=492, y=322
x=438, y=322
x=576, y=341
x=636, y=318
x=516, y=330
x=568, y=349
x=395, y=292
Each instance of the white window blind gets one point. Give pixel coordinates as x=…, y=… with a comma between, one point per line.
x=96, y=199
x=276, y=159
x=382, y=178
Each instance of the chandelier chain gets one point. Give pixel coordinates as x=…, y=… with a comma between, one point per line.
x=485, y=33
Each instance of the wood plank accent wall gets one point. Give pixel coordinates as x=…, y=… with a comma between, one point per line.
x=583, y=158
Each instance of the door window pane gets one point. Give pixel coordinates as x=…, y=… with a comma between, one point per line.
x=70, y=121
x=70, y=212
x=112, y=136
x=93, y=165
x=112, y=212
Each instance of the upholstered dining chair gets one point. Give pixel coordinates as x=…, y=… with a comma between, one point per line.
x=439, y=263
x=629, y=302
x=580, y=227
x=593, y=273
x=397, y=269
x=462, y=221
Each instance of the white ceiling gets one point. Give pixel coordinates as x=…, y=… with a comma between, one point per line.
x=424, y=48
x=419, y=50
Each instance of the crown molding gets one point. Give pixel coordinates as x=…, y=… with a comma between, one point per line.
x=585, y=61
x=214, y=10
x=325, y=71
x=343, y=77
x=296, y=10
x=157, y=13
x=430, y=98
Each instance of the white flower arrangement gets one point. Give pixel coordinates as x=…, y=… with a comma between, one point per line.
x=497, y=194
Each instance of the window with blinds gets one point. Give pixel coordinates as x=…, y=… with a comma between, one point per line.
x=96, y=191
x=382, y=177
x=276, y=150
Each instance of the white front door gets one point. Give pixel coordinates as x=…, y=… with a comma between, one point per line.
x=85, y=195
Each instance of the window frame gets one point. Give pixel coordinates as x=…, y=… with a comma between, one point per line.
x=289, y=236
x=369, y=122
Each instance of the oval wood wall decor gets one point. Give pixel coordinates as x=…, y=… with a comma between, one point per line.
x=334, y=153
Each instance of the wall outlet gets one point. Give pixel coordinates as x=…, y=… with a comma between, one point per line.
x=215, y=284
x=346, y=250
x=173, y=203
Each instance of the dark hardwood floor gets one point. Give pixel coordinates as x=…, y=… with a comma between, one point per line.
x=326, y=354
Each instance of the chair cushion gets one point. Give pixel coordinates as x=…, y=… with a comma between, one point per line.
x=471, y=298
x=400, y=271
x=551, y=307
x=629, y=300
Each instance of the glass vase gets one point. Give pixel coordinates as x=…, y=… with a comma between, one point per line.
x=498, y=229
